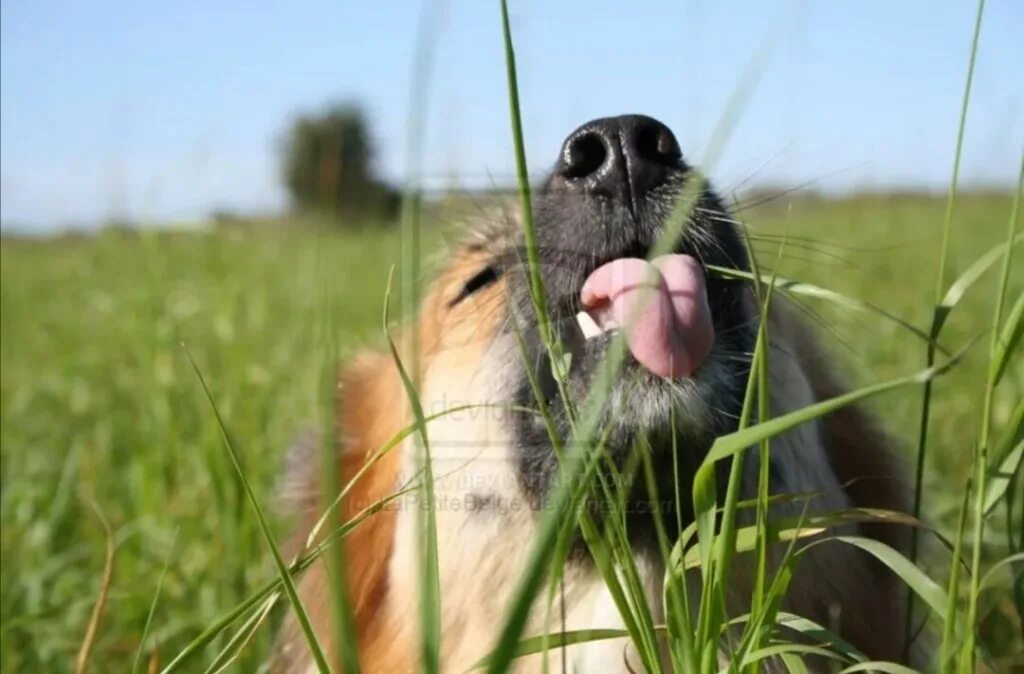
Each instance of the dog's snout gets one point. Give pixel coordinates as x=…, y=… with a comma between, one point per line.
x=621, y=158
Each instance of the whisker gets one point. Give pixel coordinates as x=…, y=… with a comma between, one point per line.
x=733, y=189
x=768, y=236
x=739, y=206
x=817, y=318
x=830, y=262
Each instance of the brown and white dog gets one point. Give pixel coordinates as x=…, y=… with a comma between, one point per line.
x=597, y=217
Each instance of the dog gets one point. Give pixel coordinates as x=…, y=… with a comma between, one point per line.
x=482, y=362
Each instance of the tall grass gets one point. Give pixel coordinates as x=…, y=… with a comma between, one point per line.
x=426, y=525
x=98, y=399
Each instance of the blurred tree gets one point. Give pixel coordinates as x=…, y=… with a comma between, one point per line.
x=328, y=166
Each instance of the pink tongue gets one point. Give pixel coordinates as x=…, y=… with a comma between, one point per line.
x=662, y=306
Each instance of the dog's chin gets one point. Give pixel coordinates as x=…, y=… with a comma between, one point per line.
x=671, y=421
x=640, y=406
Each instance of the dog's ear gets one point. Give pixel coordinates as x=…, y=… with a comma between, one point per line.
x=864, y=460
x=863, y=456
x=370, y=412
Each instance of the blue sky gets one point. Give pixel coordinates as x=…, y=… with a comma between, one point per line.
x=167, y=110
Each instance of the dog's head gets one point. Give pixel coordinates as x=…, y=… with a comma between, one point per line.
x=483, y=364
x=613, y=196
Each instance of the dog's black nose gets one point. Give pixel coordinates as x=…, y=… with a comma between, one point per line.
x=621, y=158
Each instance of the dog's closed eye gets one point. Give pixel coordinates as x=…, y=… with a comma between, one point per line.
x=478, y=281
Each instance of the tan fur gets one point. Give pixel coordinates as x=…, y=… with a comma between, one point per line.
x=372, y=409
x=365, y=425
x=845, y=455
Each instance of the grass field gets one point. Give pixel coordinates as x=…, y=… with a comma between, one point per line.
x=100, y=406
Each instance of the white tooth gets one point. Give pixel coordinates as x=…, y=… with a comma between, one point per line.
x=588, y=326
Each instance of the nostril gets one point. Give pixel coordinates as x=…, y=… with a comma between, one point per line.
x=654, y=142
x=618, y=159
x=584, y=155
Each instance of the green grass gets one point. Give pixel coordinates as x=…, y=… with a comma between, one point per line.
x=98, y=401
x=884, y=251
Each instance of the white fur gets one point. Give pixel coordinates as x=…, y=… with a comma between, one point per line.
x=482, y=554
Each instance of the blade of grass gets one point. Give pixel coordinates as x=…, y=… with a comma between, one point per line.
x=764, y=451
x=795, y=287
x=537, y=294
x=791, y=528
x=678, y=614
x=622, y=552
x=336, y=568
x=550, y=427
x=878, y=666
x=565, y=501
x=1008, y=341
x=938, y=314
x=951, y=201
x=1002, y=251
x=620, y=575
x=773, y=598
x=916, y=579
x=623, y=571
x=638, y=620
x=551, y=529
x=152, y=605
x=1015, y=540
x=430, y=591
x=675, y=599
x=793, y=663
x=682, y=545
x=233, y=648
x=430, y=584
x=792, y=649
x=91, y=629
x=289, y=585
x=946, y=650
x=952, y=298
x=813, y=630
x=534, y=645
x=980, y=459
x=1006, y=467
x=1006, y=561
x=715, y=552
x=728, y=445
x=343, y=621
x=612, y=552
